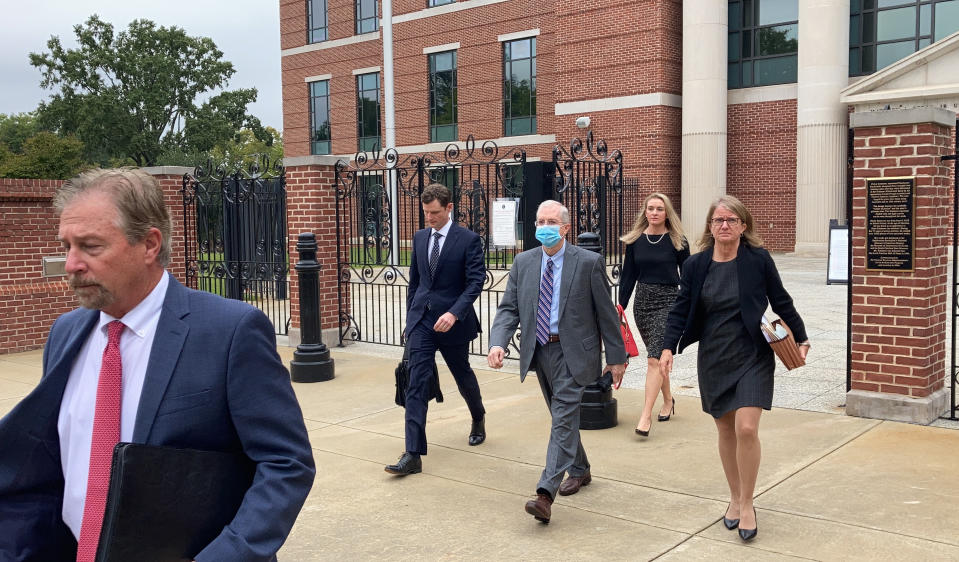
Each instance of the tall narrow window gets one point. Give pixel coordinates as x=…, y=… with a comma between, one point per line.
x=368, y=111
x=320, y=117
x=316, y=21
x=366, y=21
x=763, y=42
x=443, y=115
x=431, y=3
x=519, y=87
x=884, y=31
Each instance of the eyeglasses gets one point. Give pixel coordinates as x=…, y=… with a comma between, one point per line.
x=548, y=222
x=731, y=221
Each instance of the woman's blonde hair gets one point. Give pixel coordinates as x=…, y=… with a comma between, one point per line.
x=736, y=207
x=673, y=226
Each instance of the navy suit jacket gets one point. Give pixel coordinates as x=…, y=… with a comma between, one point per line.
x=457, y=283
x=759, y=286
x=214, y=381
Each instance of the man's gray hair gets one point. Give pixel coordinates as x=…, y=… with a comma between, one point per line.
x=135, y=194
x=563, y=211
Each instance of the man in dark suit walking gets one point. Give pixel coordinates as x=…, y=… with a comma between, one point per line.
x=145, y=360
x=446, y=275
x=558, y=295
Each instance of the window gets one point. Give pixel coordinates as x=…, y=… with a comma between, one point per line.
x=519, y=87
x=431, y=3
x=368, y=111
x=442, y=77
x=883, y=31
x=315, y=21
x=320, y=117
x=763, y=42
x=366, y=21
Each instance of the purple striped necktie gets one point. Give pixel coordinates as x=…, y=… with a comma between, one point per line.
x=545, y=303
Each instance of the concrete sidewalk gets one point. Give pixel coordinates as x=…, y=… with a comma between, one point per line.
x=831, y=487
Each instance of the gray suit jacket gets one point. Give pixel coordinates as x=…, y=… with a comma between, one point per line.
x=587, y=316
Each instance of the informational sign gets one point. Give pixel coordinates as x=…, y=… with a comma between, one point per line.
x=504, y=222
x=891, y=224
x=837, y=268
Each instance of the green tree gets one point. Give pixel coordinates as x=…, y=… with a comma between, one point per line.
x=16, y=128
x=135, y=93
x=243, y=149
x=44, y=156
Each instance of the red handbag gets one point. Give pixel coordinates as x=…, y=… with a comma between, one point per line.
x=631, y=349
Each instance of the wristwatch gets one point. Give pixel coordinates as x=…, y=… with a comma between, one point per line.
x=804, y=344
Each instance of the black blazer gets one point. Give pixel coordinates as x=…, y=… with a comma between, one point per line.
x=759, y=286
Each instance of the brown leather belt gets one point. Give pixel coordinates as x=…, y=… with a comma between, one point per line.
x=553, y=338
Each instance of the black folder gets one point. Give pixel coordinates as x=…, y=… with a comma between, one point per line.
x=166, y=504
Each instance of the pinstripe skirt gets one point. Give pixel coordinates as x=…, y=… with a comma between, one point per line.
x=650, y=308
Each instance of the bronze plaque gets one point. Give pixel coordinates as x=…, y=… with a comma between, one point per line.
x=891, y=224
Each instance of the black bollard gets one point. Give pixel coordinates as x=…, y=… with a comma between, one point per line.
x=311, y=360
x=598, y=408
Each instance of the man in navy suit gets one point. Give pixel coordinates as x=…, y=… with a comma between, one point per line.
x=189, y=370
x=446, y=275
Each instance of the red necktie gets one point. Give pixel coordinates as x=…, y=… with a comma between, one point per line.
x=106, y=434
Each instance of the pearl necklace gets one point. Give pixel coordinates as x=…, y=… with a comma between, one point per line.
x=658, y=240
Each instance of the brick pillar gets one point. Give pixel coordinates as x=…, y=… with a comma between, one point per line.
x=899, y=318
x=171, y=181
x=311, y=207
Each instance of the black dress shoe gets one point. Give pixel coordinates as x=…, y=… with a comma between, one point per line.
x=409, y=463
x=672, y=410
x=749, y=534
x=729, y=523
x=478, y=431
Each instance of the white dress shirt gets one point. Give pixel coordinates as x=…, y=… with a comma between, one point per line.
x=75, y=423
x=444, y=232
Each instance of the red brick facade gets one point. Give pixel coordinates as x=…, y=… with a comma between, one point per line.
x=898, y=318
x=761, y=167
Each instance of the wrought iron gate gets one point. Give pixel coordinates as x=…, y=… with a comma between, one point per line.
x=953, y=368
x=378, y=210
x=235, y=236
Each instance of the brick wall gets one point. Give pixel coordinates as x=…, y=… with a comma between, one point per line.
x=898, y=318
x=761, y=167
x=29, y=302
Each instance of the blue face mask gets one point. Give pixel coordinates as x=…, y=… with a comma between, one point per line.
x=548, y=235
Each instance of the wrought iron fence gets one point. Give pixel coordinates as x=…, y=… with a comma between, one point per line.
x=235, y=236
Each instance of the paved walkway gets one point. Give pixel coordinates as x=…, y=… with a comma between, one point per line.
x=831, y=487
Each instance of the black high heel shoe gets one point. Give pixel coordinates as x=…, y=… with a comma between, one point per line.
x=729, y=523
x=749, y=534
x=644, y=433
x=672, y=411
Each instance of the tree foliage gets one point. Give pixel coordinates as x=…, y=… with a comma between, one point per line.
x=17, y=128
x=44, y=155
x=139, y=92
x=241, y=150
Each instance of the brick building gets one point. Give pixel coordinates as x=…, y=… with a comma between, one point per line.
x=701, y=97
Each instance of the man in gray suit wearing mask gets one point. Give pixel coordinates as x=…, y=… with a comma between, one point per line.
x=558, y=295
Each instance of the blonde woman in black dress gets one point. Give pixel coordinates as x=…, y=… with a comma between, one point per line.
x=724, y=292
x=655, y=252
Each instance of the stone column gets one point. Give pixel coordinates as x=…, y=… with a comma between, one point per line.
x=899, y=317
x=311, y=207
x=705, y=38
x=821, y=121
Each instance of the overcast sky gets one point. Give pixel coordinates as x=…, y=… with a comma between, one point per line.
x=247, y=31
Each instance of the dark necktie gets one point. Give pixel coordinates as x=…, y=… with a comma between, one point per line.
x=435, y=254
x=545, y=303
x=106, y=434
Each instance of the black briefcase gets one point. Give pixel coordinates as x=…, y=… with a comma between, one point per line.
x=167, y=504
x=402, y=374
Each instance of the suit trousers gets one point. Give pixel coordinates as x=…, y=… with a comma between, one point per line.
x=423, y=343
x=563, y=395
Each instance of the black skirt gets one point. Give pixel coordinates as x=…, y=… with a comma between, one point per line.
x=650, y=308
